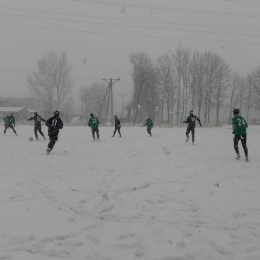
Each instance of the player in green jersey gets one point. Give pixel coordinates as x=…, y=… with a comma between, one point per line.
x=239, y=130
x=93, y=123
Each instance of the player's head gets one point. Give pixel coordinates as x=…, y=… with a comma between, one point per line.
x=35, y=113
x=92, y=115
x=12, y=114
x=56, y=113
x=191, y=112
x=115, y=116
x=236, y=112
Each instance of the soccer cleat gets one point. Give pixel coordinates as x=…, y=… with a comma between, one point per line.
x=193, y=143
x=238, y=157
x=48, y=151
x=247, y=160
x=44, y=138
x=187, y=139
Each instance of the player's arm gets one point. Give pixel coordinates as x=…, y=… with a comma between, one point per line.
x=48, y=122
x=60, y=124
x=198, y=121
x=42, y=119
x=233, y=126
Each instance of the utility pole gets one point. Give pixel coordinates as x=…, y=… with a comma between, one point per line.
x=122, y=95
x=108, y=99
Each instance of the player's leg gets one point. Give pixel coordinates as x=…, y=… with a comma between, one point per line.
x=40, y=131
x=187, y=134
x=35, y=132
x=236, y=140
x=114, y=132
x=97, y=131
x=193, y=134
x=6, y=127
x=243, y=141
x=119, y=131
x=13, y=129
x=53, y=140
x=93, y=133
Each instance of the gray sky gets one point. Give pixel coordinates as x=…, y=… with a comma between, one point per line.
x=81, y=30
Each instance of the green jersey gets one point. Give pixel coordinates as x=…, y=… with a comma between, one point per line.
x=93, y=123
x=9, y=120
x=239, y=125
x=149, y=123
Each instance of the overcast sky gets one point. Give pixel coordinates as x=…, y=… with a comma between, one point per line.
x=104, y=32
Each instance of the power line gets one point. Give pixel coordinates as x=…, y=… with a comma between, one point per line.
x=247, y=2
x=130, y=20
x=127, y=35
x=132, y=26
x=169, y=8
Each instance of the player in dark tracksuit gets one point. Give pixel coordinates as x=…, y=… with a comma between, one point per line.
x=191, y=120
x=37, y=125
x=54, y=124
x=117, y=126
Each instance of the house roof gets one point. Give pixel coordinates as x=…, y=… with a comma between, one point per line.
x=11, y=109
x=31, y=110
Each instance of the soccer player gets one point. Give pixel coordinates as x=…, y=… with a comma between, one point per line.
x=191, y=120
x=10, y=123
x=117, y=126
x=239, y=130
x=37, y=125
x=93, y=123
x=54, y=124
x=149, y=124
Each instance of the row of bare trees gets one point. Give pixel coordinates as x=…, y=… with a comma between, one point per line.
x=51, y=81
x=182, y=80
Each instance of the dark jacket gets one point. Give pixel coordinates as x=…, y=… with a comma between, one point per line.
x=117, y=122
x=54, y=124
x=149, y=123
x=191, y=120
x=37, y=120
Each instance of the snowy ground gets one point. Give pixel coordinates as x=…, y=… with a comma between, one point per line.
x=129, y=198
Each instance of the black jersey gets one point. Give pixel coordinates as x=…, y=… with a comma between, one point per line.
x=37, y=120
x=191, y=120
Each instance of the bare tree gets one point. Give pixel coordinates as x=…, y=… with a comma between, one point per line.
x=177, y=58
x=220, y=88
x=51, y=81
x=253, y=86
x=234, y=86
x=185, y=73
x=196, y=84
x=145, y=98
x=91, y=97
x=84, y=96
x=166, y=78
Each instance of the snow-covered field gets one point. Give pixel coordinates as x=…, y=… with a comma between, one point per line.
x=135, y=197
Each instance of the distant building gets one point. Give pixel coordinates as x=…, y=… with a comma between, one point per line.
x=29, y=103
x=20, y=113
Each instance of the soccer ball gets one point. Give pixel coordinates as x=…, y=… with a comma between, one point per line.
x=30, y=139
